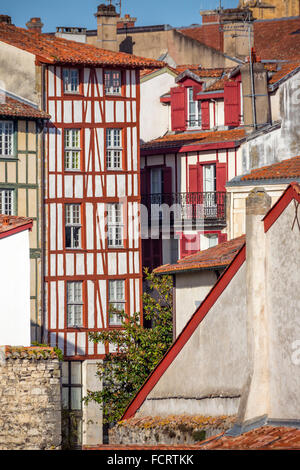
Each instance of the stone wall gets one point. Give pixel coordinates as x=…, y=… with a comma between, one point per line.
x=30, y=399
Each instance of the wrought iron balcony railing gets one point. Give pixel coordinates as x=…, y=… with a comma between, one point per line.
x=210, y=207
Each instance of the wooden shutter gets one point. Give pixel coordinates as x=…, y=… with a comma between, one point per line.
x=189, y=244
x=167, y=180
x=205, y=114
x=232, y=103
x=196, y=90
x=178, y=108
x=145, y=181
x=220, y=176
x=195, y=178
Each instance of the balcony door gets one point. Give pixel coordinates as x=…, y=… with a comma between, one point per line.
x=209, y=189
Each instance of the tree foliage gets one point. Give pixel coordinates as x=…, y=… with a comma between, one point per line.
x=138, y=349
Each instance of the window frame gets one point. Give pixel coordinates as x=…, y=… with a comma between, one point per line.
x=74, y=303
x=114, y=225
x=12, y=136
x=66, y=91
x=114, y=149
x=12, y=203
x=198, y=114
x=72, y=149
x=110, y=72
x=115, y=301
x=73, y=225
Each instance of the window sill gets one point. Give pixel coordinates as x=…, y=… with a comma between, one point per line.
x=8, y=158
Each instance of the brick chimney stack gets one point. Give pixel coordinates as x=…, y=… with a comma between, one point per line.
x=35, y=25
x=5, y=19
x=107, y=27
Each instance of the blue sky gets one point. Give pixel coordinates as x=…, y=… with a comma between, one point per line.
x=81, y=12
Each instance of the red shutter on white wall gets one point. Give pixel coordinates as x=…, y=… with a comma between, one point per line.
x=178, y=108
x=232, y=103
x=195, y=178
x=205, y=114
x=220, y=176
x=189, y=244
x=145, y=181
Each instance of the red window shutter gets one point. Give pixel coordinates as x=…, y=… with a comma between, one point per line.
x=145, y=181
x=189, y=244
x=205, y=114
x=222, y=237
x=220, y=176
x=195, y=178
x=178, y=108
x=167, y=180
x=232, y=103
x=196, y=90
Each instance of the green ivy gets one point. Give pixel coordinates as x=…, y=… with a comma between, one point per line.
x=139, y=349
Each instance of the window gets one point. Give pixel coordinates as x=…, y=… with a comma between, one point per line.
x=116, y=297
x=194, y=110
x=71, y=80
x=113, y=149
x=74, y=304
x=72, y=404
x=112, y=82
x=6, y=201
x=6, y=138
x=115, y=225
x=72, y=149
x=72, y=226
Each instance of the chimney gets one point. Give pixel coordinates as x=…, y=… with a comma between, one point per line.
x=5, y=19
x=107, y=27
x=237, y=26
x=126, y=22
x=35, y=25
x=256, y=395
x=5, y=221
x=256, y=106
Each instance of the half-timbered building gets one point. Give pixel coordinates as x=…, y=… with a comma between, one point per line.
x=91, y=198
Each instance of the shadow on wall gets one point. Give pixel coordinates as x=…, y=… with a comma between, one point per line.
x=127, y=45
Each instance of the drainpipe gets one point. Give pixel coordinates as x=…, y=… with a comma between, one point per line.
x=252, y=81
x=43, y=148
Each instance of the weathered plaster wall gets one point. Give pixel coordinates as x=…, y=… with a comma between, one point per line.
x=195, y=383
x=92, y=413
x=154, y=118
x=30, y=405
x=283, y=281
x=17, y=72
x=282, y=143
x=191, y=289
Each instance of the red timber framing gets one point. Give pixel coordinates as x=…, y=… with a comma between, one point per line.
x=93, y=187
x=186, y=333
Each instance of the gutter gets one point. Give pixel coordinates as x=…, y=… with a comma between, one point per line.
x=258, y=182
x=189, y=270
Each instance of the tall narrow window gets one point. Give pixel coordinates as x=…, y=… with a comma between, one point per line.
x=72, y=225
x=6, y=138
x=71, y=80
x=72, y=405
x=112, y=82
x=115, y=225
x=72, y=149
x=7, y=201
x=74, y=304
x=113, y=149
x=116, y=301
x=194, y=110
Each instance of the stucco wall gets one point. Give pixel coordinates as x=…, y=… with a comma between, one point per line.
x=15, y=290
x=17, y=71
x=283, y=281
x=282, y=143
x=154, y=120
x=195, y=383
x=191, y=289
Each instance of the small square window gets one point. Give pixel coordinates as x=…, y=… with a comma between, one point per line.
x=71, y=80
x=112, y=82
x=7, y=201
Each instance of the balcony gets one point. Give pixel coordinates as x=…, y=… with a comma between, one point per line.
x=189, y=209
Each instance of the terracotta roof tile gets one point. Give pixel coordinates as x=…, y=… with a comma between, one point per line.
x=51, y=49
x=172, y=140
x=217, y=256
x=11, y=222
x=15, y=108
x=213, y=72
x=289, y=168
x=277, y=39
x=32, y=352
x=217, y=85
x=145, y=72
x=210, y=35
x=263, y=438
x=282, y=71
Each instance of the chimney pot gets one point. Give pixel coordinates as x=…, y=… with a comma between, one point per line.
x=35, y=24
x=5, y=221
x=5, y=19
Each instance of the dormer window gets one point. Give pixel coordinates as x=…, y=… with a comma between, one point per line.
x=112, y=82
x=194, y=109
x=71, y=80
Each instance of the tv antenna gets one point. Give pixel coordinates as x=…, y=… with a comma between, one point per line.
x=116, y=3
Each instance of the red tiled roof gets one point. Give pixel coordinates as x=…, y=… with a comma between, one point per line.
x=145, y=72
x=12, y=107
x=218, y=256
x=282, y=71
x=208, y=34
x=31, y=352
x=277, y=39
x=51, y=49
x=11, y=223
x=197, y=137
x=289, y=168
x=263, y=438
x=217, y=85
x=142, y=447
x=217, y=72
